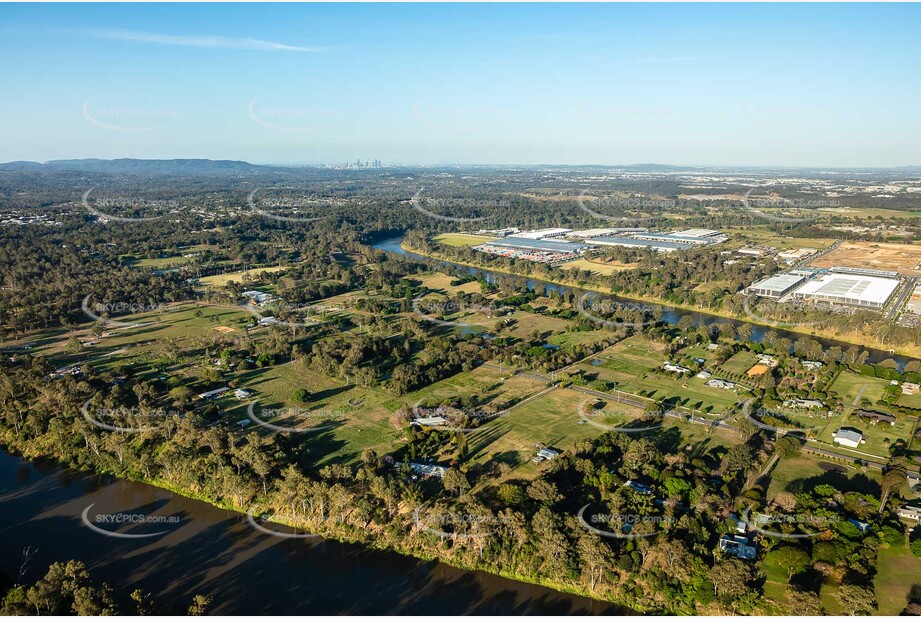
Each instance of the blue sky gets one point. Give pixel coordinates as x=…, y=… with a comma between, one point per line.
x=744, y=84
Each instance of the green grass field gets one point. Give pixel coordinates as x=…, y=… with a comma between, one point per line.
x=176, y=327
x=793, y=474
x=628, y=364
x=740, y=362
x=462, y=240
x=765, y=236
x=348, y=418
x=599, y=268
x=878, y=437
x=218, y=280
x=910, y=401
x=775, y=585
x=853, y=388
x=896, y=571
x=866, y=213
x=498, y=388
x=162, y=262
x=441, y=281
x=551, y=419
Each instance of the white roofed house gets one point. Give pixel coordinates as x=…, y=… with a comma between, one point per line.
x=213, y=393
x=675, y=368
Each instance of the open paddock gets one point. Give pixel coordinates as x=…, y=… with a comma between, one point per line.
x=903, y=258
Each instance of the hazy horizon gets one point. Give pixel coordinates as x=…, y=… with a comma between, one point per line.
x=808, y=86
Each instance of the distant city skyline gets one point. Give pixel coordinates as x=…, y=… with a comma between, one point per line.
x=734, y=85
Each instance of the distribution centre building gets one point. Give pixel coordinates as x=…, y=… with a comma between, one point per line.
x=853, y=290
x=554, y=246
x=776, y=286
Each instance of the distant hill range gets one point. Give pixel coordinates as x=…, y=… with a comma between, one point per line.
x=135, y=166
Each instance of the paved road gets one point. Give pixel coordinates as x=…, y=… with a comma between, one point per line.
x=910, y=283
x=805, y=261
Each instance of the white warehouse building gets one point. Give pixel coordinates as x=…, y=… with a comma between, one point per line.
x=776, y=286
x=854, y=290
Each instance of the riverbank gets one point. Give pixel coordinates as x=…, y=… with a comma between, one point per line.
x=364, y=539
x=857, y=340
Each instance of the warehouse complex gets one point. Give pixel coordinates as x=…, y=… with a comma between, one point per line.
x=854, y=290
x=534, y=250
x=554, y=246
x=535, y=245
x=667, y=242
x=844, y=288
x=636, y=243
x=776, y=286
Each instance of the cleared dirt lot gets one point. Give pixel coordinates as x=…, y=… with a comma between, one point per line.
x=883, y=256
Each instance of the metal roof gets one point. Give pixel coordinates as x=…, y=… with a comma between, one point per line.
x=778, y=283
x=539, y=245
x=635, y=242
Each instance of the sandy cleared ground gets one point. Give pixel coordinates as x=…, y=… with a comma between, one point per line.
x=882, y=256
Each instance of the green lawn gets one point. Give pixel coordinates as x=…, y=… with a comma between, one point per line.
x=351, y=418
x=165, y=262
x=462, y=240
x=176, y=327
x=629, y=363
x=775, y=585
x=910, y=401
x=896, y=570
x=878, y=437
x=218, y=280
x=740, y=362
x=853, y=388
x=565, y=340
x=796, y=474
x=552, y=419
x=499, y=388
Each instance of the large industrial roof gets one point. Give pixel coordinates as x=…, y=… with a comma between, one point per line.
x=851, y=287
x=539, y=245
x=636, y=242
x=696, y=233
x=778, y=283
